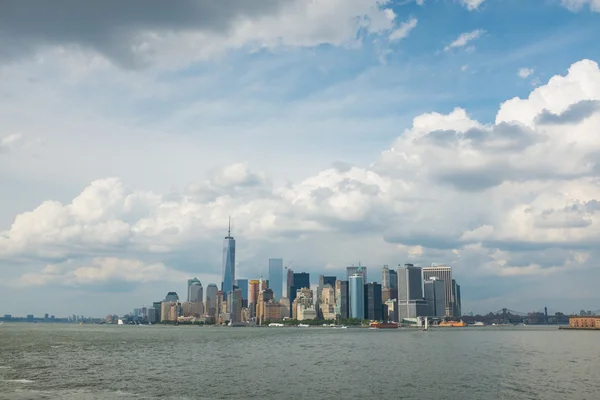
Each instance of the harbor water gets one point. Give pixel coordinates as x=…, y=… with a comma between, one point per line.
x=56, y=361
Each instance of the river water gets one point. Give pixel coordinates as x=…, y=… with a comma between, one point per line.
x=45, y=361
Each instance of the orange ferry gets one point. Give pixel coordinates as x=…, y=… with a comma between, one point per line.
x=383, y=325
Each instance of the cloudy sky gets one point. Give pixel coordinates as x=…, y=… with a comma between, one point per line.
x=462, y=132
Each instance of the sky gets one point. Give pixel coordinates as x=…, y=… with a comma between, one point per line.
x=333, y=132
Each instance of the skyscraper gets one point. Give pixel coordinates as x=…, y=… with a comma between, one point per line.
x=435, y=295
x=195, y=291
x=357, y=296
x=172, y=296
x=356, y=270
x=385, y=277
x=327, y=280
x=211, y=300
x=276, y=277
x=228, y=262
x=341, y=299
x=411, y=303
x=253, y=291
x=456, y=304
x=289, y=282
x=300, y=280
x=393, y=279
x=442, y=272
x=373, y=304
x=242, y=284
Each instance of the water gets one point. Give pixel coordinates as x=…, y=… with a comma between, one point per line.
x=44, y=361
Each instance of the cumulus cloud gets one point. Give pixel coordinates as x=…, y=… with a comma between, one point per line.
x=578, y=5
x=472, y=4
x=135, y=33
x=465, y=38
x=525, y=72
x=491, y=198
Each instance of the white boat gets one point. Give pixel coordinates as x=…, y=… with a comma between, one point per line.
x=303, y=326
x=120, y=322
x=275, y=324
x=478, y=323
x=426, y=324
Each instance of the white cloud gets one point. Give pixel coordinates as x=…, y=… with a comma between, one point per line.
x=525, y=72
x=450, y=187
x=404, y=29
x=578, y=5
x=472, y=4
x=464, y=38
x=10, y=142
x=102, y=271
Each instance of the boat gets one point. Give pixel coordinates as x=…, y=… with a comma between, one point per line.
x=383, y=325
x=478, y=323
x=303, y=326
x=426, y=327
x=454, y=324
x=275, y=324
x=120, y=322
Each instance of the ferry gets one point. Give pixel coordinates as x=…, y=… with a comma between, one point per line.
x=454, y=324
x=478, y=323
x=383, y=325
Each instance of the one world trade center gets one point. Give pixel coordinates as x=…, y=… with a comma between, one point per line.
x=228, y=262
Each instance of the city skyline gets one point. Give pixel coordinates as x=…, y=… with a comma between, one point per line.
x=420, y=132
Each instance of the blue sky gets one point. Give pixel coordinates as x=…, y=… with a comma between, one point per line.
x=125, y=143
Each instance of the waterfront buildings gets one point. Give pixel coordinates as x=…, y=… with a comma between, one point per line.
x=242, y=284
x=211, y=300
x=444, y=273
x=192, y=309
x=169, y=311
x=584, y=322
x=372, y=300
x=194, y=291
x=264, y=296
x=276, y=277
x=357, y=296
x=228, y=270
x=456, y=304
x=300, y=280
x=341, y=299
x=234, y=305
x=253, y=290
x=303, y=307
x=435, y=296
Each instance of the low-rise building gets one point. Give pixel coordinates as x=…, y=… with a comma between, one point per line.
x=585, y=322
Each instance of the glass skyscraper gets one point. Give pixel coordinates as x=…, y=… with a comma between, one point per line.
x=228, y=263
x=357, y=296
x=276, y=277
x=242, y=284
x=211, y=299
x=195, y=291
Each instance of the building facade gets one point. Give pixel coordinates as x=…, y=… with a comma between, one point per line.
x=276, y=277
x=357, y=296
x=327, y=302
x=411, y=303
x=341, y=299
x=211, y=300
x=362, y=270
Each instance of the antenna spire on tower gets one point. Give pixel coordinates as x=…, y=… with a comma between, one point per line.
x=229, y=229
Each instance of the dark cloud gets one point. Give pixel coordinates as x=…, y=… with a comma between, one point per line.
x=111, y=26
x=573, y=115
x=474, y=180
x=520, y=246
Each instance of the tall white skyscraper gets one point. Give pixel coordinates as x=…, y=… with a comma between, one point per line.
x=276, y=277
x=228, y=262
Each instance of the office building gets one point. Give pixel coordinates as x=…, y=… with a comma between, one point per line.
x=264, y=297
x=385, y=277
x=172, y=296
x=456, y=304
x=435, y=296
x=391, y=310
x=443, y=273
x=228, y=271
x=362, y=270
x=327, y=302
x=192, y=309
x=195, y=291
x=341, y=299
x=289, y=282
x=411, y=303
x=253, y=290
x=276, y=277
x=372, y=302
x=169, y=311
x=234, y=305
x=303, y=305
x=357, y=296
x=242, y=284
x=327, y=280
x=300, y=280
x=211, y=300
